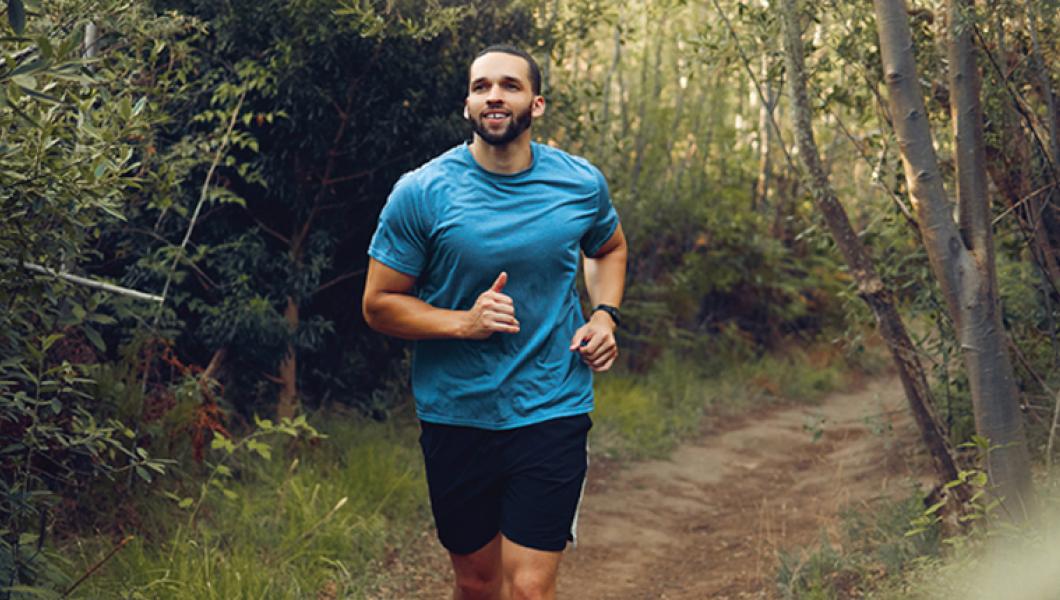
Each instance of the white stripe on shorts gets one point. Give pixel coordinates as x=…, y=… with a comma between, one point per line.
x=581, y=496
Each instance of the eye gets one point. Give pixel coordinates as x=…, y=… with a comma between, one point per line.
x=511, y=86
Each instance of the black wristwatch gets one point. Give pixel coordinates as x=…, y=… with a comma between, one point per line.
x=612, y=311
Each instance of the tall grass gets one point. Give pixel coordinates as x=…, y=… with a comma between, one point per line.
x=304, y=528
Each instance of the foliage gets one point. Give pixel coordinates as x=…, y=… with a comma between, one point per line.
x=69, y=132
x=287, y=520
x=874, y=546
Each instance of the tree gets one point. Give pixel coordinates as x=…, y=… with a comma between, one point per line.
x=960, y=253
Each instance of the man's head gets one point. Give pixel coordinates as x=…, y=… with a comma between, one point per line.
x=504, y=94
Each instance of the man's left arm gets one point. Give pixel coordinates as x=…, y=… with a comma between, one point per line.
x=605, y=280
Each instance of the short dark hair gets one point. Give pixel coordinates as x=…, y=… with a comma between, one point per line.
x=532, y=67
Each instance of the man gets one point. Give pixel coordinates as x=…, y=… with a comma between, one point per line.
x=475, y=258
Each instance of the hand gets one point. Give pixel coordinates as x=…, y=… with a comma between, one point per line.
x=596, y=342
x=492, y=312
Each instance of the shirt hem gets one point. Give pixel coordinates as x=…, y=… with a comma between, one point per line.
x=614, y=228
x=441, y=420
x=394, y=264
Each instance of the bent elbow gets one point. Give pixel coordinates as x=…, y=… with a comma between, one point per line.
x=370, y=312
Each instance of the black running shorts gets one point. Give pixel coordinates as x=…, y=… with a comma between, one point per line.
x=525, y=483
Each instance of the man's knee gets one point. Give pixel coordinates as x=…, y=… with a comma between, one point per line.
x=532, y=584
x=478, y=586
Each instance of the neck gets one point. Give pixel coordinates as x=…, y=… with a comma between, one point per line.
x=510, y=158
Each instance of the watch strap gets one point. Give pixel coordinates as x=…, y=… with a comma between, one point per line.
x=612, y=311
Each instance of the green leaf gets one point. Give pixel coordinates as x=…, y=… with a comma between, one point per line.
x=27, y=68
x=49, y=341
x=260, y=448
x=94, y=337
x=102, y=319
x=40, y=96
x=16, y=15
x=934, y=508
x=229, y=494
x=56, y=406
x=185, y=503
x=143, y=473
x=25, y=81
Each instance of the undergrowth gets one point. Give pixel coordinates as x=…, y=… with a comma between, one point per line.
x=284, y=528
x=874, y=545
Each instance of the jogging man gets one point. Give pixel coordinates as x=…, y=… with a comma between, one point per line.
x=475, y=257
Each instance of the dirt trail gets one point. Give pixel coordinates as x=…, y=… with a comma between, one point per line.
x=708, y=522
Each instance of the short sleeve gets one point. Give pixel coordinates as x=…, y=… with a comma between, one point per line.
x=400, y=240
x=605, y=221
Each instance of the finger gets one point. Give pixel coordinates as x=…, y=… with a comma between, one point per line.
x=594, y=343
x=499, y=298
x=603, y=361
x=600, y=354
x=498, y=326
x=606, y=365
x=579, y=337
x=499, y=319
x=506, y=320
x=500, y=308
x=498, y=284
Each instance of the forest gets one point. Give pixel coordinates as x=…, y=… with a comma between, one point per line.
x=819, y=198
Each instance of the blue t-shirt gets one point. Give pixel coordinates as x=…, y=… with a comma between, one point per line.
x=454, y=227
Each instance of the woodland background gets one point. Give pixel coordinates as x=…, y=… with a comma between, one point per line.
x=232, y=157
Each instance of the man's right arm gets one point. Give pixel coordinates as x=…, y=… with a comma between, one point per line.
x=389, y=307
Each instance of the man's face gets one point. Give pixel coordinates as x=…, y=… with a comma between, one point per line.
x=500, y=102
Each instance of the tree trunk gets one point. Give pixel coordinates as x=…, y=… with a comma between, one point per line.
x=961, y=256
x=605, y=110
x=870, y=287
x=287, y=403
x=765, y=141
x=646, y=98
x=546, y=64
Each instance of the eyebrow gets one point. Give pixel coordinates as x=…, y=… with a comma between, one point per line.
x=503, y=78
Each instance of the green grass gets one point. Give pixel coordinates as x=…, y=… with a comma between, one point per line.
x=873, y=548
x=291, y=530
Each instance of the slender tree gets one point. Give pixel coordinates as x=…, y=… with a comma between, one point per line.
x=961, y=254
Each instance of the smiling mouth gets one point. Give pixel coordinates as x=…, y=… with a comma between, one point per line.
x=494, y=116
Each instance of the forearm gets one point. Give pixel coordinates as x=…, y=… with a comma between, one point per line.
x=405, y=316
x=605, y=277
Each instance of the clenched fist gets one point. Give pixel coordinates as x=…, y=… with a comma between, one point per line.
x=493, y=312
x=595, y=341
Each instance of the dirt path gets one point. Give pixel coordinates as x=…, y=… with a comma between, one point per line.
x=709, y=521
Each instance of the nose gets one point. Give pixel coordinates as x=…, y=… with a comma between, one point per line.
x=494, y=94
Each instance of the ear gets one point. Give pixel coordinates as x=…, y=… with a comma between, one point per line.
x=467, y=115
x=537, y=106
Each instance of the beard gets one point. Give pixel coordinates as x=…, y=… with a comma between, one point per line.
x=517, y=123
